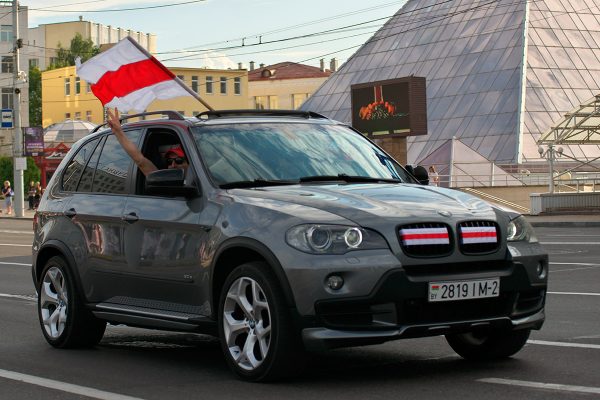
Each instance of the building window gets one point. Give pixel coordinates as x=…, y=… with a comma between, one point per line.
x=34, y=62
x=7, y=65
x=181, y=77
x=209, y=85
x=88, y=116
x=88, y=87
x=195, y=84
x=261, y=102
x=77, y=85
x=7, y=98
x=67, y=115
x=67, y=86
x=6, y=33
x=298, y=99
x=78, y=115
x=223, y=82
x=53, y=60
x=273, y=103
x=237, y=85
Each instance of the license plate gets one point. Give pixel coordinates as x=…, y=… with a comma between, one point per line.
x=463, y=290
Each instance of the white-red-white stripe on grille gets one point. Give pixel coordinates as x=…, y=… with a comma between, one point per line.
x=478, y=234
x=424, y=236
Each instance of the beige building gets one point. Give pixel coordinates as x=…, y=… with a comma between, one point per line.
x=66, y=96
x=285, y=85
x=44, y=39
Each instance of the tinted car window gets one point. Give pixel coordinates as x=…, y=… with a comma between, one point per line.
x=113, y=166
x=87, y=177
x=73, y=170
x=289, y=151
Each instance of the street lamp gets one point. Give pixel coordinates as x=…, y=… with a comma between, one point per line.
x=551, y=154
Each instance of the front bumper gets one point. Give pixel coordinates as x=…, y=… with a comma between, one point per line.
x=398, y=308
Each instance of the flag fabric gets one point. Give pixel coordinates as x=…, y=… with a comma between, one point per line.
x=481, y=234
x=128, y=77
x=424, y=236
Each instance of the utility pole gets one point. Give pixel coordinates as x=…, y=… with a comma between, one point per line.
x=18, y=137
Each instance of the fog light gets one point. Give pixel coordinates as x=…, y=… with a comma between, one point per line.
x=335, y=282
x=541, y=270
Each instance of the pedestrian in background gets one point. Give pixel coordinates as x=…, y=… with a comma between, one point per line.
x=434, y=178
x=31, y=195
x=8, y=194
x=38, y=195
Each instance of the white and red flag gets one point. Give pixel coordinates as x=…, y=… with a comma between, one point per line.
x=126, y=76
x=424, y=236
x=480, y=234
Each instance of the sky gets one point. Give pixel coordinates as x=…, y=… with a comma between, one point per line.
x=223, y=33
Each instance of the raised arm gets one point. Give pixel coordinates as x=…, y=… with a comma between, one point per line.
x=145, y=165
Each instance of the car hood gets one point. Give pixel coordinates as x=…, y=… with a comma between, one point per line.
x=362, y=203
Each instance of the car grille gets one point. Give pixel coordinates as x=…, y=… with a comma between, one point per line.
x=478, y=237
x=425, y=239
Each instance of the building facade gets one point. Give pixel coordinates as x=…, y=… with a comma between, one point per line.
x=44, y=39
x=499, y=74
x=8, y=83
x=284, y=85
x=66, y=96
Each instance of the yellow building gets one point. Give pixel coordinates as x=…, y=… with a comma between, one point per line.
x=66, y=96
x=285, y=85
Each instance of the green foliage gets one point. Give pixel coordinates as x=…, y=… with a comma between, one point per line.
x=35, y=96
x=31, y=174
x=79, y=48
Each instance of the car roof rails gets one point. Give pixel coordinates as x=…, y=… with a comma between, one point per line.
x=170, y=114
x=258, y=113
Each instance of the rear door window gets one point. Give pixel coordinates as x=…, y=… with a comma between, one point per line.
x=76, y=166
x=114, y=166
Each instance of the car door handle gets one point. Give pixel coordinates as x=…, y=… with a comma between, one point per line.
x=131, y=217
x=70, y=213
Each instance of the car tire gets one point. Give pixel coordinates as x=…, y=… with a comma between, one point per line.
x=489, y=345
x=64, y=320
x=255, y=328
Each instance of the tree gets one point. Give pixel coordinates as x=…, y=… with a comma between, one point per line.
x=79, y=48
x=35, y=96
x=31, y=174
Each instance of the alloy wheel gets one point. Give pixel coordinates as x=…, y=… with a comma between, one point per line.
x=247, y=323
x=54, y=302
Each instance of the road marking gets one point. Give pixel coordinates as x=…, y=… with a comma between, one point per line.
x=566, y=263
x=16, y=245
x=541, y=385
x=17, y=232
x=12, y=263
x=575, y=293
x=19, y=296
x=564, y=344
x=64, y=387
x=585, y=266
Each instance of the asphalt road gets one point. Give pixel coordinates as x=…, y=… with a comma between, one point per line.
x=560, y=362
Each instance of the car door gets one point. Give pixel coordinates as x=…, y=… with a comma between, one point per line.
x=96, y=212
x=164, y=242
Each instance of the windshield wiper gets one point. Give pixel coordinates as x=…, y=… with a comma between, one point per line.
x=258, y=182
x=347, y=178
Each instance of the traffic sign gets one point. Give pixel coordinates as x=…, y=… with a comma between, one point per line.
x=7, y=118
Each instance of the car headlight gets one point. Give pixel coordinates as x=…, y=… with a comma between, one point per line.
x=520, y=230
x=333, y=239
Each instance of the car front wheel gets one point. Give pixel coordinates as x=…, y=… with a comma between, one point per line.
x=488, y=345
x=256, y=333
x=64, y=320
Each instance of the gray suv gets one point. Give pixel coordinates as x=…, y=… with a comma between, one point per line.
x=287, y=233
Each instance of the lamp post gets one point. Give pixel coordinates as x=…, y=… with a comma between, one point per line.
x=551, y=154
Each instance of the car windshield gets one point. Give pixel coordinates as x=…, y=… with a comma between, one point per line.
x=258, y=154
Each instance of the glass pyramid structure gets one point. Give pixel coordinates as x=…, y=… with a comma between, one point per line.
x=499, y=73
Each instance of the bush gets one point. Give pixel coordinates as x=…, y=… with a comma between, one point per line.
x=31, y=174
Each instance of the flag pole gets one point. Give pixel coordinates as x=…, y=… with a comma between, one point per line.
x=175, y=78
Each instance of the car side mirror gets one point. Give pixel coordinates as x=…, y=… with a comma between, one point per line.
x=169, y=182
x=421, y=174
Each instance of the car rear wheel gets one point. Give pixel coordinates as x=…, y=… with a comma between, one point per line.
x=256, y=332
x=63, y=317
x=482, y=346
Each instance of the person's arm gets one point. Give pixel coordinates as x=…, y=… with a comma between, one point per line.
x=145, y=165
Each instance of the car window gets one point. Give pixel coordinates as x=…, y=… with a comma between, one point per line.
x=113, y=166
x=73, y=171
x=87, y=177
x=290, y=151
